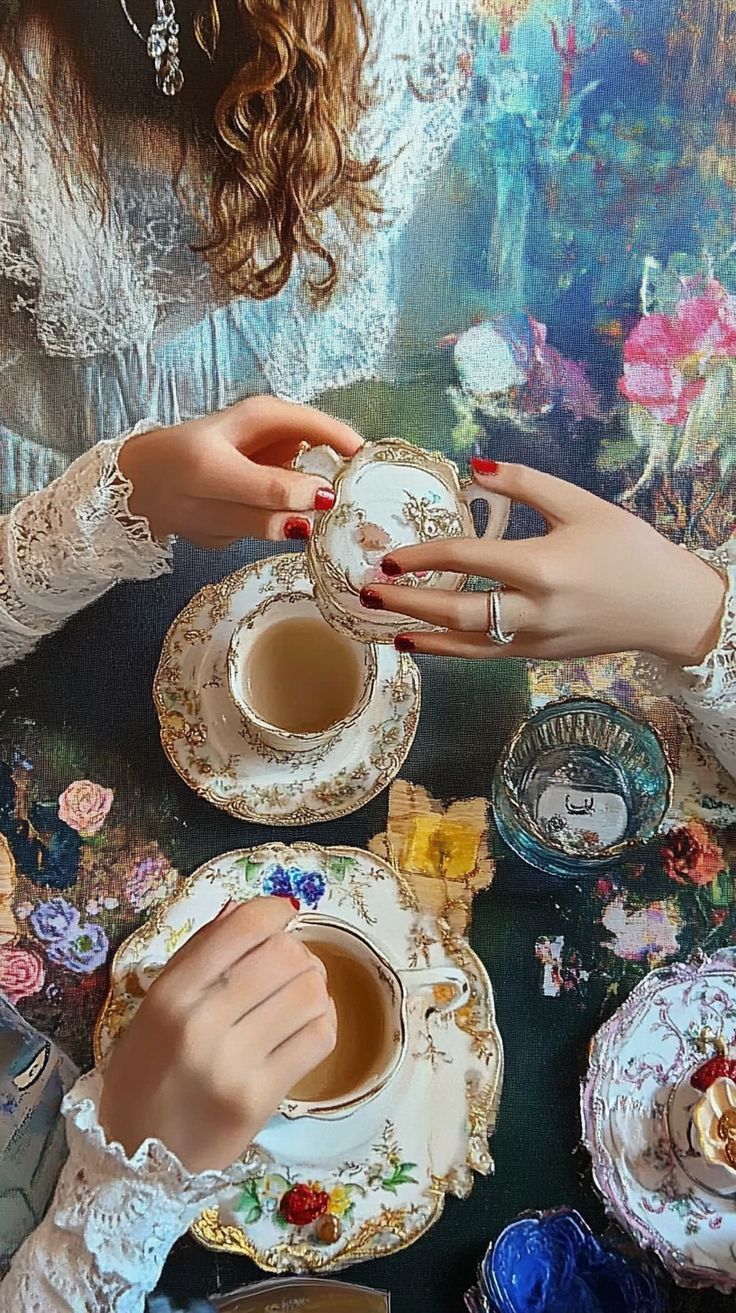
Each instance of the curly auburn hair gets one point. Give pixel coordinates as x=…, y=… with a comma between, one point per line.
x=288, y=90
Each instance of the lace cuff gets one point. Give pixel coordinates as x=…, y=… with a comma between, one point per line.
x=63, y=547
x=112, y=1222
x=708, y=691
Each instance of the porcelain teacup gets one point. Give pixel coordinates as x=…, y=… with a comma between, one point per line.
x=372, y=997
x=297, y=683
x=389, y=495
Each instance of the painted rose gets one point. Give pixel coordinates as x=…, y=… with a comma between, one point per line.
x=643, y=933
x=84, y=807
x=665, y=356
x=80, y=946
x=150, y=881
x=690, y=856
x=554, y=1264
x=21, y=973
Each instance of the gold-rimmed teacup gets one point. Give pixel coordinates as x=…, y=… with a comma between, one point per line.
x=371, y=996
x=297, y=683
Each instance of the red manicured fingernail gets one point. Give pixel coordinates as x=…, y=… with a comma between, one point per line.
x=297, y=529
x=324, y=499
x=372, y=600
x=483, y=466
x=295, y=904
x=391, y=567
x=403, y=643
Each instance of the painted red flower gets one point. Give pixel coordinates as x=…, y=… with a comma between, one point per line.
x=689, y=855
x=303, y=1204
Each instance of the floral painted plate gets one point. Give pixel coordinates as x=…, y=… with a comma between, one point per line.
x=636, y=1106
x=209, y=745
x=327, y=1194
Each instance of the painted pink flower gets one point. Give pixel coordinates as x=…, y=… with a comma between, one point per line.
x=84, y=806
x=643, y=933
x=372, y=538
x=21, y=973
x=665, y=355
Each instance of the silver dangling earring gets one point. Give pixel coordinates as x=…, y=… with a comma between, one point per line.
x=162, y=45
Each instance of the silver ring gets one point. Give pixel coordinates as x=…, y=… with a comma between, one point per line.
x=496, y=632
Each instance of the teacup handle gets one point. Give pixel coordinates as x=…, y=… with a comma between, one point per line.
x=499, y=508
x=323, y=462
x=421, y=981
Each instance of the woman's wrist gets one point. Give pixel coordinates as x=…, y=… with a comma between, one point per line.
x=692, y=604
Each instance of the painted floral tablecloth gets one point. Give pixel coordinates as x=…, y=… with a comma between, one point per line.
x=567, y=295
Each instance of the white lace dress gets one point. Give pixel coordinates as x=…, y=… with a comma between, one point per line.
x=105, y=321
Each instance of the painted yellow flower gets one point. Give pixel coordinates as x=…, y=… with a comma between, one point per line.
x=339, y=1201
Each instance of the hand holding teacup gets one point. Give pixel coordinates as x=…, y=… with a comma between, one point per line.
x=601, y=580
x=238, y=1017
x=389, y=495
x=229, y=475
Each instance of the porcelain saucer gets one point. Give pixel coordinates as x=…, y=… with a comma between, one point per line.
x=636, y=1106
x=210, y=746
x=374, y=1182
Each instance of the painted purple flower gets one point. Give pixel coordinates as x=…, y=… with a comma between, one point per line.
x=80, y=946
x=309, y=886
x=277, y=883
x=83, y=952
x=150, y=881
x=54, y=920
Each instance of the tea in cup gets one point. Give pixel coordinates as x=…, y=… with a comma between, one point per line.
x=296, y=682
x=371, y=999
x=389, y=495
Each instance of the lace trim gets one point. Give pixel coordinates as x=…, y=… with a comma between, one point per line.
x=708, y=691
x=63, y=547
x=105, y=1239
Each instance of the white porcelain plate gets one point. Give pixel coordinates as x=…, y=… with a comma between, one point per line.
x=636, y=1105
x=376, y=1180
x=209, y=745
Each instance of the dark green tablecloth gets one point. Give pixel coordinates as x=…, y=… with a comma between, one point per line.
x=81, y=708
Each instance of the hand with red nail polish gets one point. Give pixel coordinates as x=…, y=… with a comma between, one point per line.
x=235, y=1020
x=228, y=476
x=599, y=581
x=297, y=528
x=370, y=599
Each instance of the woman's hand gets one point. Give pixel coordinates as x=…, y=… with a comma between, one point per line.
x=223, y=478
x=238, y=1016
x=601, y=580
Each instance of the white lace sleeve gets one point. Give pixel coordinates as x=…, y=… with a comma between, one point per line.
x=708, y=691
x=63, y=547
x=111, y=1223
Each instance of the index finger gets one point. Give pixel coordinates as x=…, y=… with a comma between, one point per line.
x=223, y=941
x=271, y=420
x=505, y=562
